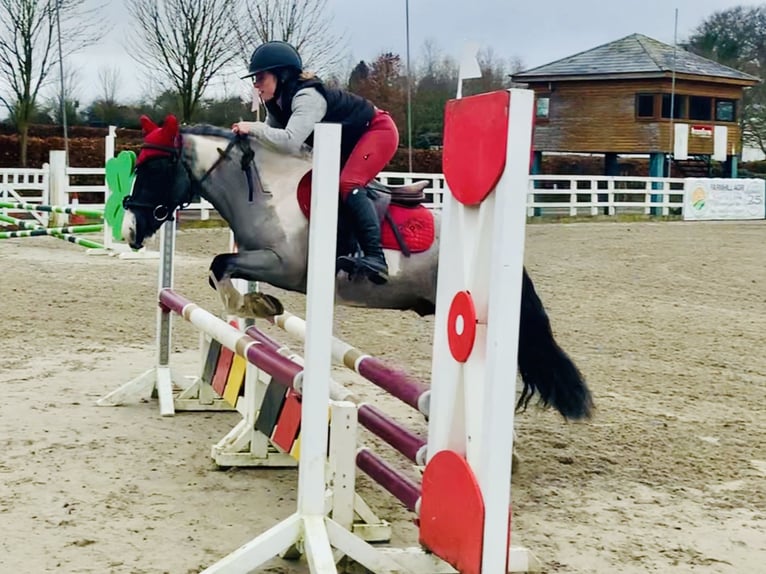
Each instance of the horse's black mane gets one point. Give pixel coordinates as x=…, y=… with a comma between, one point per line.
x=215, y=131
x=207, y=130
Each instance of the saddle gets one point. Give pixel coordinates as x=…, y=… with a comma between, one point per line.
x=384, y=197
x=406, y=224
x=408, y=195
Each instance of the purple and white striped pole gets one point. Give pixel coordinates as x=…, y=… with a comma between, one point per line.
x=401, y=438
x=406, y=490
x=395, y=381
x=337, y=391
x=373, y=419
x=282, y=369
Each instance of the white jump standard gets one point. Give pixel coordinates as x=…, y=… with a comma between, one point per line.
x=463, y=503
x=465, y=496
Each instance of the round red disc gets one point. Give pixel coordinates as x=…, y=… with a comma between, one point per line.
x=461, y=326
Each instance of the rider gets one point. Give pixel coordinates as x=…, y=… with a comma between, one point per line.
x=295, y=100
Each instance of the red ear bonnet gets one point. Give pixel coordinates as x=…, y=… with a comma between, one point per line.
x=165, y=136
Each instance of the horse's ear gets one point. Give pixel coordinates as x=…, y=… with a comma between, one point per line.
x=170, y=126
x=147, y=125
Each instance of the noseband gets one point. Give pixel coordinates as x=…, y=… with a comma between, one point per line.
x=164, y=212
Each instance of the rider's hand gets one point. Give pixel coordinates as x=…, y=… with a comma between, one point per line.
x=253, y=128
x=241, y=127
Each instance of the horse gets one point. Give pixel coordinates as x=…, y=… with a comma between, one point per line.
x=262, y=194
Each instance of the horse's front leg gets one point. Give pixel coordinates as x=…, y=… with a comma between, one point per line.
x=262, y=265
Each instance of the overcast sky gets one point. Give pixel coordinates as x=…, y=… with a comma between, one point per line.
x=537, y=32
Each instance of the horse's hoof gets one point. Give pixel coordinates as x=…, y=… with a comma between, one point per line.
x=261, y=305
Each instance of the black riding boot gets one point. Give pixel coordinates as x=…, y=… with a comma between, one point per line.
x=364, y=222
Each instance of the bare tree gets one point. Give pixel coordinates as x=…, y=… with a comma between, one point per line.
x=433, y=62
x=105, y=108
x=109, y=83
x=185, y=44
x=436, y=83
x=306, y=24
x=29, y=51
x=68, y=100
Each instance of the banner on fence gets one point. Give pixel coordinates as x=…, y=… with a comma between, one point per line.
x=706, y=199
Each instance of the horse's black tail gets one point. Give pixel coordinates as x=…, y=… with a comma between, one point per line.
x=544, y=367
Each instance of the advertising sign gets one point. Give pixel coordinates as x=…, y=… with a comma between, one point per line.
x=707, y=199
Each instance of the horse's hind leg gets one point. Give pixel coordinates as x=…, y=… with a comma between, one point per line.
x=227, y=266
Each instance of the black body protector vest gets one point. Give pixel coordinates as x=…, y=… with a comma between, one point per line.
x=353, y=112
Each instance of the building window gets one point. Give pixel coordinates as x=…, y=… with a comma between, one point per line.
x=645, y=105
x=725, y=111
x=700, y=108
x=695, y=108
x=679, y=106
x=542, y=107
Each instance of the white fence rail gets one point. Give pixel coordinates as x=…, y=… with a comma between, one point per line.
x=574, y=195
x=25, y=185
x=604, y=195
x=548, y=195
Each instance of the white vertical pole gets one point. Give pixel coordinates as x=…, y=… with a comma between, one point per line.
x=57, y=161
x=409, y=86
x=494, y=465
x=319, y=318
x=108, y=154
x=343, y=437
x=164, y=383
x=109, y=143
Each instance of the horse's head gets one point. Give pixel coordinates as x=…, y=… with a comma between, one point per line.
x=162, y=183
x=239, y=175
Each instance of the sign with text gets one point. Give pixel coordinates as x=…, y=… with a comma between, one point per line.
x=719, y=198
x=702, y=131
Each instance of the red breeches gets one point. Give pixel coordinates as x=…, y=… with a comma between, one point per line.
x=371, y=154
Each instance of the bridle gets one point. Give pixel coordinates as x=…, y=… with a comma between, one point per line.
x=164, y=211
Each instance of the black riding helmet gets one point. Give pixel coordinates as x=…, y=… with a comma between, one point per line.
x=272, y=55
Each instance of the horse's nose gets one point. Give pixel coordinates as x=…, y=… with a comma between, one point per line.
x=132, y=241
x=128, y=230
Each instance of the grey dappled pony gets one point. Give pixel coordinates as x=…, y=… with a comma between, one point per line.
x=255, y=189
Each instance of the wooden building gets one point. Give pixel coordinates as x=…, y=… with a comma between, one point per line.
x=627, y=96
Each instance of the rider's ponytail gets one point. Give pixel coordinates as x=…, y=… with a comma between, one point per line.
x=285, y=78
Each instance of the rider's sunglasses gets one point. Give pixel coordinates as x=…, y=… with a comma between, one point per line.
x=259, y=77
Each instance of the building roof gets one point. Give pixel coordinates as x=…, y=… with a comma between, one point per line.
x=633, y=56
